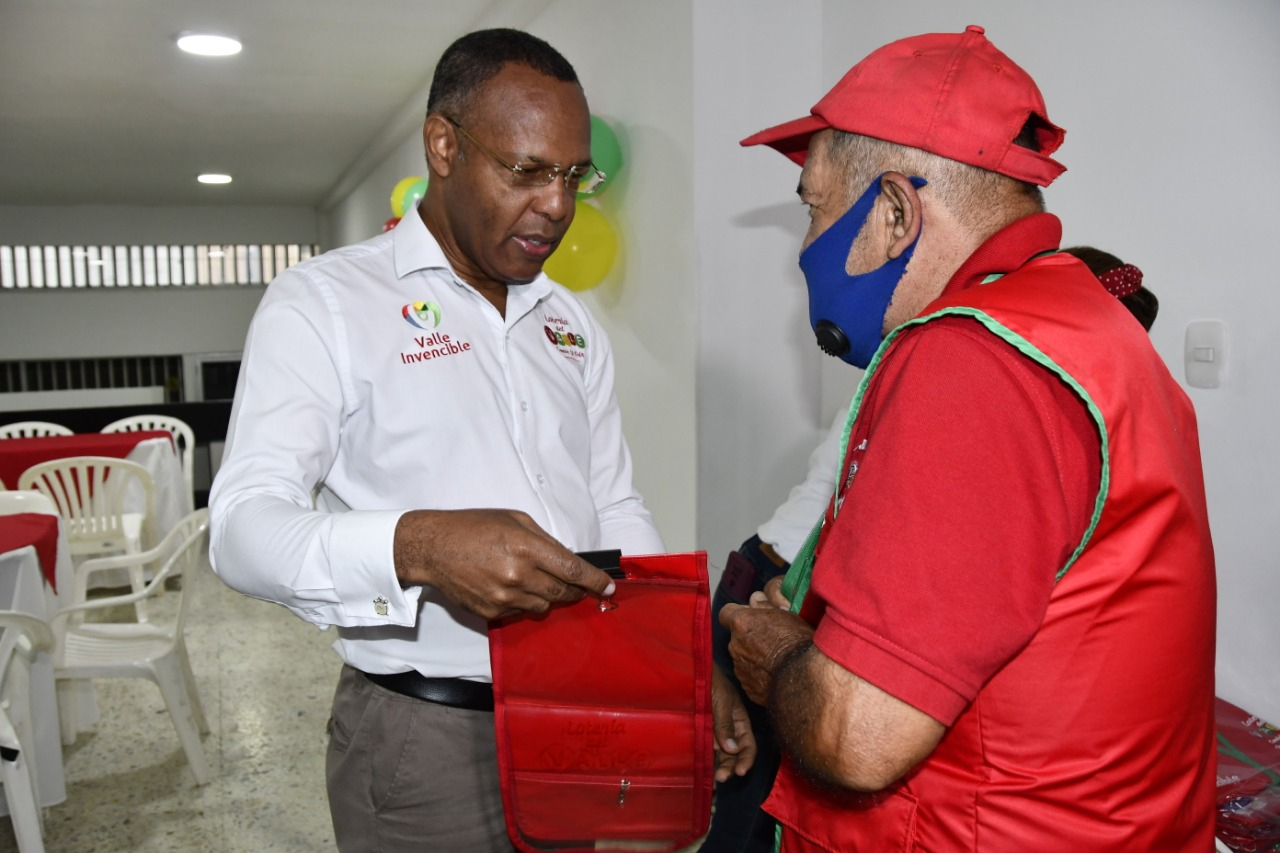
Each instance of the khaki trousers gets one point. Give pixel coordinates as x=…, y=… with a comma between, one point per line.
x=408, y=775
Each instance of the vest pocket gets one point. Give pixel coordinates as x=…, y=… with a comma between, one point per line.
x=883, y=822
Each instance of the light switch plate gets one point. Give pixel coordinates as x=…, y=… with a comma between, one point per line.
x=1205, y=353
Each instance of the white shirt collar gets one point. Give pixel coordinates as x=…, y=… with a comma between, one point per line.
x=416, y=249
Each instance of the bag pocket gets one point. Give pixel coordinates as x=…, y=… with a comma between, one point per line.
x=574, y=809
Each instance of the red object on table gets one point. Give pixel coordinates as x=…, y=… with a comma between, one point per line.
x=1248, y=780
x=33, y=528
x=19, y=454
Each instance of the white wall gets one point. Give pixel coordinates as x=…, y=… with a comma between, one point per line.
x=362, y=214
x=634, y=60
x=39, y=324
x=1170, y=109
x=755, y=64
x=103, y=322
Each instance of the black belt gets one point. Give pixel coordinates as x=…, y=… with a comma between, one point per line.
x=454, y=692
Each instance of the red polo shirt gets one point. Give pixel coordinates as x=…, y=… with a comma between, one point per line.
x=973, y=476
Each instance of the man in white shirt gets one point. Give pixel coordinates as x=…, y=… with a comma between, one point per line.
x=424, y=431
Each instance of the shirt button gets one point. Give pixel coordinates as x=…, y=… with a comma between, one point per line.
x=542, y=481
x=524, y=405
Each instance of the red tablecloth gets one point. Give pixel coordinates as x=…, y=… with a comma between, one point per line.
x=33, y=528
x=19, y=454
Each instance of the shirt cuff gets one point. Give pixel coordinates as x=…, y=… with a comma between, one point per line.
x=362, y=554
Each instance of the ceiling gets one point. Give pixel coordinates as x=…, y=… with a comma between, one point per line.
x=98, y=105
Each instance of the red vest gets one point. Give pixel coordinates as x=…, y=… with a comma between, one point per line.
x=1099, y=735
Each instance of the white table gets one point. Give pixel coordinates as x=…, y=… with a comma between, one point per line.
x=172, y=500
x=22, y=588
x=154, y=450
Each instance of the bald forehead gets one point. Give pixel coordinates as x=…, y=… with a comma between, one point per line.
x=531, y=116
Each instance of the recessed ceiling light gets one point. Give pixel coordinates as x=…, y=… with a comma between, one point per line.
x=211, y=178
x=207, y=44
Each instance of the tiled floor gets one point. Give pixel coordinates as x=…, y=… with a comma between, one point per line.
x=266, y=679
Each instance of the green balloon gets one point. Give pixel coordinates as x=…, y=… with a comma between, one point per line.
x=413, y=194
x=605, y=151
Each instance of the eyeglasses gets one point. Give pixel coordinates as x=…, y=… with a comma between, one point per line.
x=580, y=179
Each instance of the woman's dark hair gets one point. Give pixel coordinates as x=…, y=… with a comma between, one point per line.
x=476, y=57
x=1142, y=303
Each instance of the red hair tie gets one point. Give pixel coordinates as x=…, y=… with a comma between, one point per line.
x=1121, y=281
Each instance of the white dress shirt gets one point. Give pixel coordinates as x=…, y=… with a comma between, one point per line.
x=375, y=381
x=805, y=506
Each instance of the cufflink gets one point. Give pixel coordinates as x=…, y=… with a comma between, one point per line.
x=380, y=606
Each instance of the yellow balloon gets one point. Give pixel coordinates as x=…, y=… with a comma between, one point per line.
x=586, y=254
x=406, y=193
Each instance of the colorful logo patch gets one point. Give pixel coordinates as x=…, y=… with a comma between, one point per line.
x=567, y=342
x=565, y=339
x=423, y=315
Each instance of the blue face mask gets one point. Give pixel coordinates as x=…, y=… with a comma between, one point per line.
x=847, y=311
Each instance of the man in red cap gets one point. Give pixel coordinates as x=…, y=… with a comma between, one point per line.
x=1002, y=636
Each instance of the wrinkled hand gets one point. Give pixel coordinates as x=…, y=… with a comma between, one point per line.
x=764, y=634
x=735, y=742
x=493, y=562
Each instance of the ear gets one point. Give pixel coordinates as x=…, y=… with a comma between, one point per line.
x=904, y=211
x=440, y=143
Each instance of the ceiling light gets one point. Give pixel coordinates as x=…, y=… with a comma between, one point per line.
x=211, y=178
x=206, y=44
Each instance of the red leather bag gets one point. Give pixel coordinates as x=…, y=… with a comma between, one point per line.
x=603, y=713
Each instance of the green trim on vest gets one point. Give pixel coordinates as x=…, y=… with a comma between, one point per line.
x=795, y=586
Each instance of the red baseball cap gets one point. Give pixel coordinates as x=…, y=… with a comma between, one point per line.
x=951, y=94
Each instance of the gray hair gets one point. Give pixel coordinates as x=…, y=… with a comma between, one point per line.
x=981, y=201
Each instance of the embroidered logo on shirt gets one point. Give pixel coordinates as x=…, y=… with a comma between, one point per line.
x=427, y=315
x=434, y=345
x=569, y=343
x=423, y=315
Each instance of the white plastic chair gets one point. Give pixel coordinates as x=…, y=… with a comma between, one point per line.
x=157, y=652
x=12, y=503
x=90, y=493
x=32, y=429
x=23, y=635
x=184, y=438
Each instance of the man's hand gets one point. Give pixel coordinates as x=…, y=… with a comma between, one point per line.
x=763, y=636
x=493, y=562
x=735, y=742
